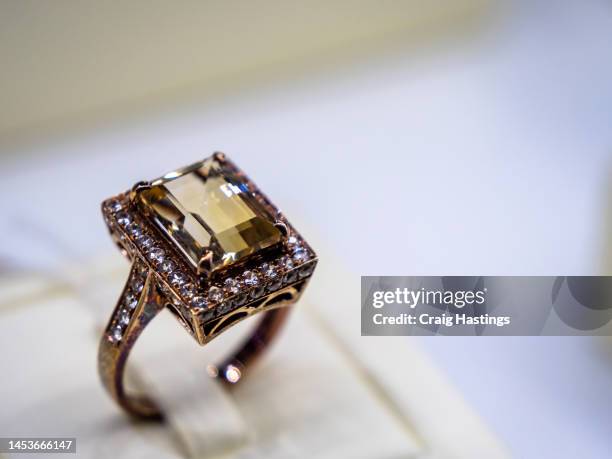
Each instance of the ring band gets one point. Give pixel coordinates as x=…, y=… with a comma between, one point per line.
x=205, y=243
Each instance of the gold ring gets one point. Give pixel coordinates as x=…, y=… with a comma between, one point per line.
x=207, y=244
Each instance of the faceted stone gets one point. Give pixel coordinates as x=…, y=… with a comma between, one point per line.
x=145, y=241
x=116, y=334
x=231, y=286
x=124, y=317
x=286, y=263
x=131, y=301
x=135, y=230
x=115, y=206
x=124, y=219
x=269, y=271
x=215, y=294
x=273, y=278
x=177, y=278
x=199, y=302
x=156, y=255
x=206, y=207
x=137, y=285
x=168, y=266
x=250, y=278
x=300, y=255
x=187, y=290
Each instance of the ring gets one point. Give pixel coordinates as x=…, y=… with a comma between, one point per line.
x=207, y=244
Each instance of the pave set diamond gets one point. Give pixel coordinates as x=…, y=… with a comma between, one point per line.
x=128, y=302
x=251, y=258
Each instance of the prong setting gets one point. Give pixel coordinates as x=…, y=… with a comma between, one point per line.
x=138, y=187
x=282, y=227
x=206, y=263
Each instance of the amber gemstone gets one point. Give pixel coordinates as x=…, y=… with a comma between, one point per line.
x=206, y=206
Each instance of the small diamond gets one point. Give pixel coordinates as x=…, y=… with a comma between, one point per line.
x=137, y=285
x=292, y=241
x=250, y=278
x=116, y=334
x=124, y=219
x=124, y=317
x=269, y=271
x=286, y=263
x=300, y=255
x=177, y=278
x=273, y=278
x=131, y=301
x=157, y=255
x=215, y=294
x=135, y=230
x=187, y=290
x=145, y=241
x=199, y=302
x=290, y=274
x=224, y=307
x=168, y=266
x=115, y=206
x=231, y=286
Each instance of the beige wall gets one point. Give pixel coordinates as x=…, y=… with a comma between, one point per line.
x=64, y=62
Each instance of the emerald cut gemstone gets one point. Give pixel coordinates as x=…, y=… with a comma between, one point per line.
x=205, y=207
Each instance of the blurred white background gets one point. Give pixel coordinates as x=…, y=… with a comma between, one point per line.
x=482, y=146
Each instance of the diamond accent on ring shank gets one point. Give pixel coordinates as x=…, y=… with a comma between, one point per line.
x=205, y=207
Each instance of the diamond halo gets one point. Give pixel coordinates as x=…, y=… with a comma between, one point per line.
x=291, y=262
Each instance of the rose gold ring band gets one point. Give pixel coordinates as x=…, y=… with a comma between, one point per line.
x=112, y=358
